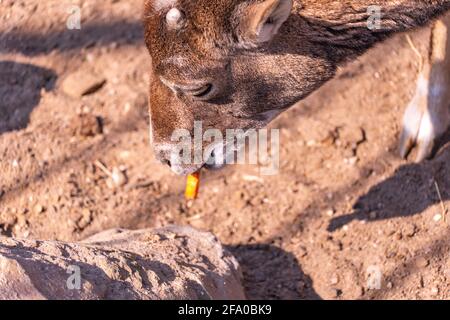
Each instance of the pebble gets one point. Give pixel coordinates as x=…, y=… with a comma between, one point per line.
x=422, y=262
x=434, y=291
x=303, y=252
x=81, y=83
x=334, y=280
x=86, y=125
x=335, y=293
x=38, y=209
x=437, y=217
x=409, y=230
x=118, y=177
x=85, y=219
x=351, y=161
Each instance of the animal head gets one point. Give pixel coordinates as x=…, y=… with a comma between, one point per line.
x=231, y=64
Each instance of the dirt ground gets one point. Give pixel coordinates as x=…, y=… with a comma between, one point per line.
x=343, y=209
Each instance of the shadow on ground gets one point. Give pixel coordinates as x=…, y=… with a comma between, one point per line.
x=404, y=193
x=20, y=92
x=272, y=273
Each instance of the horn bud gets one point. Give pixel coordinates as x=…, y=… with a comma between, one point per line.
x=175, y=19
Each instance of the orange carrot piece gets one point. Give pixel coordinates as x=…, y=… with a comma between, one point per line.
x=192, y=186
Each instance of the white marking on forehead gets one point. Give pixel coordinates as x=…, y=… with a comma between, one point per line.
x=163, y=4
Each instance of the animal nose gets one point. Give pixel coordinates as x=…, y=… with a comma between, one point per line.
x=163, y=155
x=169, y=155
x=166, y=162
x=174, y=158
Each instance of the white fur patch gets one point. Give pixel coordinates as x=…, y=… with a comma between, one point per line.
x=427, y=131
x=413, y=114
x=425, y=117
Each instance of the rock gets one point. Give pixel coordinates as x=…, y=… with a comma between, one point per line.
x=409, y=230
x=351, y=136
x=334, y=280
x=118, y=177
x=85, y=219
x=434, y=291
x=168, y=263
x=86, y=125
x=38, y=209
x=422, y=262
x=335, y=293
x=82, y=83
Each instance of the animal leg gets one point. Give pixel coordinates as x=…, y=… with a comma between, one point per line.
x=428, y=113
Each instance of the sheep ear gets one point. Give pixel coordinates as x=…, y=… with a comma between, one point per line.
x=260, y=21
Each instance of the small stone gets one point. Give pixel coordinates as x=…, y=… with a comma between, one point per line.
x=422, y=262
x=373, y=215
x=86, y=125
x=359, y=291
x=21, y=221
x=330, y=212
x=409, y=230
x=118, y=177
x=351, y=137
x=82, y=83
x=335, y=293
x=85, y=219
x=352, y=161
x=434, y=291
x=437, y=217
x=334, y=280
x=303, y=252
x=38, y=209
x=189, y=204
x=398, y=236
x=389, y=285
x=311, y=143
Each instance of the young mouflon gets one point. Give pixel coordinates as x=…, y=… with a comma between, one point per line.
x=237, y=64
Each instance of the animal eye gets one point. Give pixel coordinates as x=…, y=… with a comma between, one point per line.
x=204, y=91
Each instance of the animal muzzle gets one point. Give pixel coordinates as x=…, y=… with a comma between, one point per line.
x=182, y=162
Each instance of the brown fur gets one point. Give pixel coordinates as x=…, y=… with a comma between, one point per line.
x=251, y=79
